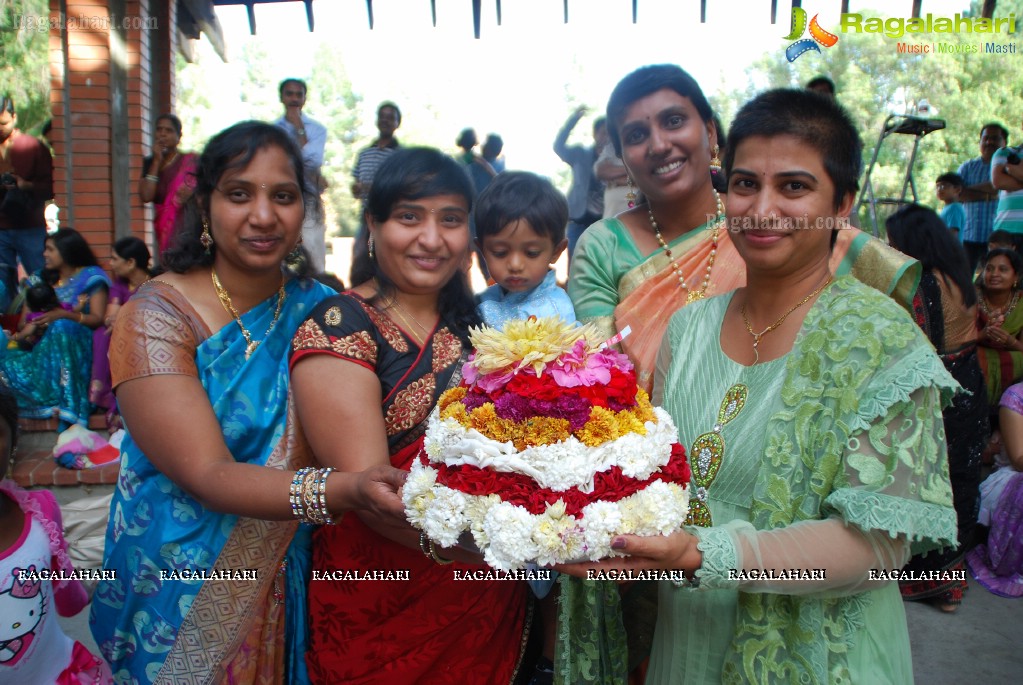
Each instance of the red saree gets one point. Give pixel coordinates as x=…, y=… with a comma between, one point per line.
x=431, y=628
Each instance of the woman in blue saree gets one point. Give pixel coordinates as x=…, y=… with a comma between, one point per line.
x=203, y=514
x=53, y=377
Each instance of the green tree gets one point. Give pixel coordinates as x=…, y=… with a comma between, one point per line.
x=874, y=80
x=332, y=102
x=24, y=60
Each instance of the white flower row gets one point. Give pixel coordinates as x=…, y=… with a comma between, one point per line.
x=509, y=536
x=563, y=465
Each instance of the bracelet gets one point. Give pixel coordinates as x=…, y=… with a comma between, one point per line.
x=295, y=493
x=153, y=178
x=81, y=317
x=429, y=551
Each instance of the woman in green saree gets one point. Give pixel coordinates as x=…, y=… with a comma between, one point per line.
x=635, y=270
x=1000, y=320
x=812, y=405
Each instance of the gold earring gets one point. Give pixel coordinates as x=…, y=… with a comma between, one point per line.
x=205, y=238
x=630, y=196
x=370, y=245
x=715, y=161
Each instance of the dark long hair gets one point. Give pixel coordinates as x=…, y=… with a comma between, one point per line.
x=232, y=148
x=73, y=248
x=131, y=247
x=920, y=233
x=410, y=174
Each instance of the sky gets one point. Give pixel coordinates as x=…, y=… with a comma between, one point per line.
x=521, y=79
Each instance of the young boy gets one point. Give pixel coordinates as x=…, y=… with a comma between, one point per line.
x=520, y=230
x=949, y=186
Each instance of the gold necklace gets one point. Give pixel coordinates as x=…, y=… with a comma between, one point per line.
x=402, y=312
x=761, y=334
x=693, y=295
x=225, y=299
x=993, y=313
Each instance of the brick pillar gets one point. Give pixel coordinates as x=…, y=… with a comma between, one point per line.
x=102, y=89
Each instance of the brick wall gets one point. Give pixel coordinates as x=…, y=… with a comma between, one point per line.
x=105, y=92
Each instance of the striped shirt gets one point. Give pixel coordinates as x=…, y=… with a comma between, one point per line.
x=980, y=215
x=1010, y=203
x=369, y=161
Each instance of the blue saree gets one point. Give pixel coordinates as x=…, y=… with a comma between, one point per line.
x=53, y=377
x=154, y=623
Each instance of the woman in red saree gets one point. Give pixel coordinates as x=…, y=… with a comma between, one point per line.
x=368, y=367
x=169, y=179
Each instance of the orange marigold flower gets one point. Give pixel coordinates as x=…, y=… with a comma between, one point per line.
x=628, y=422
x=482, y=417
x=602, y=427
x=455, y=394
x=643, y=410
x=544, y=430
x=456, y=411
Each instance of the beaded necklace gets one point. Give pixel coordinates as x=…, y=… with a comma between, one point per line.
x=1000, y=313
x=692, y=295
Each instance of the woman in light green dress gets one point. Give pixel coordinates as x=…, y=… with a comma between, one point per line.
x=811, y=410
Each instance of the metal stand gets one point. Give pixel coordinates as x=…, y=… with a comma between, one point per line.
x=918, y=127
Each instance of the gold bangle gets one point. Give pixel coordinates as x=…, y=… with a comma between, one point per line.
x=81, y=317
x=438, y=558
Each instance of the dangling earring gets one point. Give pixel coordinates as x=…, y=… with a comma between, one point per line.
x=371, y=255
x=205, y=238
x=715, y=161
x=630, y=196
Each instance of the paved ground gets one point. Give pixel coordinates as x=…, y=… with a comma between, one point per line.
x=980, y=643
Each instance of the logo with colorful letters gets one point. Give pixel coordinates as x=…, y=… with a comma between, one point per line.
x=817, y=36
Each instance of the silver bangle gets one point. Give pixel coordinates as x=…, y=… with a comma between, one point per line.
x=153, y=177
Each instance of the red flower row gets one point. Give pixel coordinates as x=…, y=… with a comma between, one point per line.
x=609, y=486
x=618, y=394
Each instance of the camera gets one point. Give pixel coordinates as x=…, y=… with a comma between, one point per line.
x=7, y=179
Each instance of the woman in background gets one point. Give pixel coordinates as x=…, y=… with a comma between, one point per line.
x=1000, y=320
x=53, y=377
x=129, y=262
x=946, y=309
x=169, y=178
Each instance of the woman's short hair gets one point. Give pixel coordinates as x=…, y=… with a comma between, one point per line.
x=646, y=81
x=920, y=233
x=231, y=149
x=412, y=173
x=173, y=120
x=73, y=247
x=131, y=247
x=814, y=119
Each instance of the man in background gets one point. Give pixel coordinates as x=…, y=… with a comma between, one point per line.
x=369, y=160
x=311, y=137
x=979, y=196
x=26, y=183
x=586, y=196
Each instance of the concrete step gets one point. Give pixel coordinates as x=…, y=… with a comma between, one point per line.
x=34, y=465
